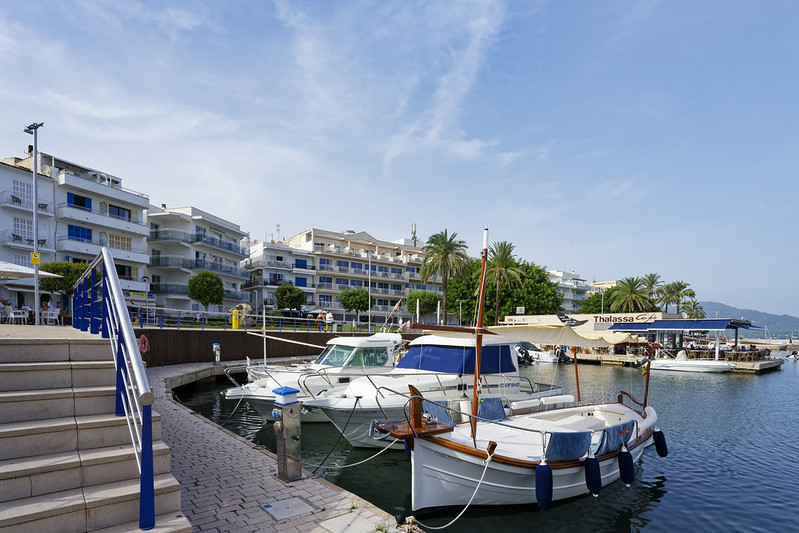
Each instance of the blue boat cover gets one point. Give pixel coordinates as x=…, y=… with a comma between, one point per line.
x=458, y=359
x=614, y=436
x=442, y=414
x=565, y=446
x=491, y=409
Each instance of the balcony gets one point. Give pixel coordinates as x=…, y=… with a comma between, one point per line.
x=9, y=199
x=24, y=242
x=98, y=217
x=192, y=238
x=169, y=261
x=92, y=247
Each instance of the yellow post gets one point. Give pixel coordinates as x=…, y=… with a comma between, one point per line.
x=235, y=318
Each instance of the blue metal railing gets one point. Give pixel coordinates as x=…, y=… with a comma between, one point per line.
x=99, y=307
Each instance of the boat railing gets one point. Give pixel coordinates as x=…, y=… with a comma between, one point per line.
x=99, y=307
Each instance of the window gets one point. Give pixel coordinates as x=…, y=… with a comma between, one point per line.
x=356, y=283
x=382, y=286
x=325, y=279
x=300, y=282
x=325, y=300
x=22, y=260
x=22, y=193
x=119, y=242
x=23, y=229
x=118, y=212
x=124, y=271
x=341, y=282
x=396, y=271
x=79, y=233
x=301, y=263
x=356, y=266
x=79, y=202
x=396, y=287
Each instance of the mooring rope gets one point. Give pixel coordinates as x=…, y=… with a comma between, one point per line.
x=337, y=467
x=357, y=399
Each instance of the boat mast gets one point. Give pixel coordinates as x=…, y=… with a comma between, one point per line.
x=479, y=332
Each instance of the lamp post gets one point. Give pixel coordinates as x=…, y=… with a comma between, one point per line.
x=33, y=130
x=369, y=292
x=602, y=292
x=460, y=312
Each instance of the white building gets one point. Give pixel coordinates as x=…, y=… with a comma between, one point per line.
x=274, y=264
x=573, y=288
x=80, y=209
x=355, y=260
x=184, y=241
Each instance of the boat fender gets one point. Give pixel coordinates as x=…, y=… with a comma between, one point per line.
x=593, y=476
x=543, y=485
x=626, y=468
x=407, y=448
x=660, y=442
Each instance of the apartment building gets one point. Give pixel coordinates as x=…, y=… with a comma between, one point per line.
x=79, y=210
x=573, y=288
x=357, y=260
x=272, y=264
x=184, y=241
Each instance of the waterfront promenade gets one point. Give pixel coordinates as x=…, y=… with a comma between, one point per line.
x=229, y=485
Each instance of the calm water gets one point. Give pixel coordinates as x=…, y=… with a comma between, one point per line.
x=733, y=461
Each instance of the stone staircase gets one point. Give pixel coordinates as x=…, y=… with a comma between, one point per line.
x=66, y=461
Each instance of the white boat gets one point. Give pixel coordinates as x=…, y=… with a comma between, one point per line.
x=682, y=363
x=343, y=359
x=535, y=457
x=443, y=369
x=528, y=353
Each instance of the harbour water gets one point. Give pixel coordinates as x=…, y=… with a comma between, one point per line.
x=733, y=462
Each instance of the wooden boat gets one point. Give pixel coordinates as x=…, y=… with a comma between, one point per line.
x=534, y=457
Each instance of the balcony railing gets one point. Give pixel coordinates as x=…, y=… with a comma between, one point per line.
x=194, y=238
x=168, y=261
x=8, y=198
x=133, y=218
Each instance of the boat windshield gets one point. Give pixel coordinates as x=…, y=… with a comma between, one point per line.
x=335, y=355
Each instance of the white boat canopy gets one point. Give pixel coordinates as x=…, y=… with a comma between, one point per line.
x=560, y=335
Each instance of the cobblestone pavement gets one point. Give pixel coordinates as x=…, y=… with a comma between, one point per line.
x=228, y=485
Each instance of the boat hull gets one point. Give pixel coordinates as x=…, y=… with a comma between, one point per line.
x=442, y=477
x=692, y=365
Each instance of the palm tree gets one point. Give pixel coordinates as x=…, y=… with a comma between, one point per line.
x=667, y=295
x=444, y=255
x=693, y=309
x=502, y=269
x=630, y=296
x=674, y=293
x=652, y=282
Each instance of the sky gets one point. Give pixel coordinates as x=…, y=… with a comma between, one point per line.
x=613, y=139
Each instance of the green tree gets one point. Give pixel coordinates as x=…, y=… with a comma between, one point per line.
x=652, y=282
x=206, y=288
x=683, y=292
x=599, y=302
x=674, y=293
x=428, y=302
x=630, y=297
x=289, y=297
x=501, y=269
x=354, y=300
x=444, y=255
x=69, y=272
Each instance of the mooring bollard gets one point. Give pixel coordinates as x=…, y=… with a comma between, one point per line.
x=287, y=433
x=217, y=352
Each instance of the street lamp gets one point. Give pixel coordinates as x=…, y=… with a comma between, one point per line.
x=369, y=291
x=33, y=130
x=460, y=311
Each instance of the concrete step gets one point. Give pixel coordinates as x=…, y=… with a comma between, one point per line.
x=88, y=509
x=18, y=350
x=41, y=437
x=55, y=374
x=113, y=503
x=28, y=477
x=38, y=404
x=165, y=523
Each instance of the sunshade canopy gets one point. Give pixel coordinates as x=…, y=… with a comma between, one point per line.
x=12, y=271
x=703, y=324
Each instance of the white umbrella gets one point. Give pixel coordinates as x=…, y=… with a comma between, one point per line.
x=12, y=271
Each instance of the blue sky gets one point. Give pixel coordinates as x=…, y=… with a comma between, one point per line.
x=609, y=138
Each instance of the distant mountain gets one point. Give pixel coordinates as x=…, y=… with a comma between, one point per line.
x=778, y=326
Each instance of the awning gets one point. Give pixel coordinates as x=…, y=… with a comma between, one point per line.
x=700, y=324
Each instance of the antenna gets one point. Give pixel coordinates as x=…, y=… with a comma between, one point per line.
x=277, y=230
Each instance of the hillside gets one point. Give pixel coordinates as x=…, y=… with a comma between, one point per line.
x=779, y=326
